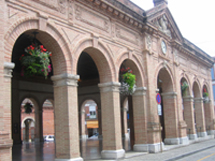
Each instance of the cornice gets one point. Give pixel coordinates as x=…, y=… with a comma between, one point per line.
x=119, y=11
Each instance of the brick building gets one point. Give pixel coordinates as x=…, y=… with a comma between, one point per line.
x=92, y=40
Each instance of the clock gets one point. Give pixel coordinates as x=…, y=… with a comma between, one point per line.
x=163, y=47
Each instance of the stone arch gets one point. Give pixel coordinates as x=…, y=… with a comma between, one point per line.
x=51, y=37
x=185, y=77
x=23, y=121
x=33, y=99
x=48, y=98
x=100, y=55
x=205, y=84
x=135, y=65
x=168, y=75
x=82, y=103
x=197, y=93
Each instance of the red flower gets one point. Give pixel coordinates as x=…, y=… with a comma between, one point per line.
x=50, y=54
x=32, y=48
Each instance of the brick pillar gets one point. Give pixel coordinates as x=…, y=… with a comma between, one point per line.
x=111, y=127
x=100, y=122
x=38, y=125
x=140, y=119
x=66, y=117
x=83, y=125
x=200, y=117
x=125, y=133
x=171, y=120
x=5, y=114
x=189, y=117
x=209, y=117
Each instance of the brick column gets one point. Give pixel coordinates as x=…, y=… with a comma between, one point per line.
x=140, y=119
x=100, y=123
x=111, y=127
x=38, y=125
x=5, y=114
x=66, y=117
x=171, y=120
x=83, y=125
x=209, y=117
x=200, y=117
x=189, y=117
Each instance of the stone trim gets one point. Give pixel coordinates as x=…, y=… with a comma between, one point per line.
x=169, y=95
x=113, y=154
x=141, y=147
x=8, y=66
x=75, y=159
x=208, y=101
x=172, y=141
x=188, y=99
x=198, y=99
x=140, y=91
x=193, y=136
x=65, y=79
x=109, y=87
x=154, y=148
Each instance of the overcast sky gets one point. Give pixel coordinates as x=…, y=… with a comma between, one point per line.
x=194, y=18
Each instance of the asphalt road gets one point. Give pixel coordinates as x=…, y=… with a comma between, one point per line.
x=206, y=155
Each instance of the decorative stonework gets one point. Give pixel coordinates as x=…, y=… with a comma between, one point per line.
x=109, y=87
x=169, y=95
x=176, y=59
x=53, y=4
x=148, y=42
x=198, y=99
x=188, y=98
x=127, y=35
x=65, y=80
x=91, y=18
x=62, y=6
x=8, y=69
x=70, y=10
x=162, y=24
x=140, y=91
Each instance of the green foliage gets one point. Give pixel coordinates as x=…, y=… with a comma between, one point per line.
x=36, y=61
x=184, y=86
x=130, y=80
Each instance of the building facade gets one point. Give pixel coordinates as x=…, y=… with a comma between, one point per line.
x=90, y=41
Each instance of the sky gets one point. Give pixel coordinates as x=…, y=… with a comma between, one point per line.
x=194, y=18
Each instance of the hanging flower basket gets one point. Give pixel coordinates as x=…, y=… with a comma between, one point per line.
x=184, y=86
x=35, y=61
x=205, y=93
x=127, y=80
x=28, y=108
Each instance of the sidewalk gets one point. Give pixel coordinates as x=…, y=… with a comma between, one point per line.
x=171, y=152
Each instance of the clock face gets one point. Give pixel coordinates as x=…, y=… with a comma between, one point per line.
x=163, y=47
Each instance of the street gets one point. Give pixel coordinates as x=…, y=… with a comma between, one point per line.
x=206, y=155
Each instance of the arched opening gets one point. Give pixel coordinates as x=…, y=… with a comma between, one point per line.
x=125, y=119
x=206, y=105
x=89, y=110
x=167, y=114
x=199, y=110
x=27, y=121
x=48, y=118
x=188, y=109
x=133, y=112
x=33, y=86
x=184, y=93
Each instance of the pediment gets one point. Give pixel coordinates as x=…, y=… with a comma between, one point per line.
x=161, y=18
